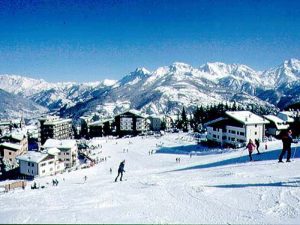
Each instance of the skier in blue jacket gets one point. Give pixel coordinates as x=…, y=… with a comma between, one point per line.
x=120, y=170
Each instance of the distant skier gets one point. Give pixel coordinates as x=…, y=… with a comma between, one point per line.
x=85, y=179
x=257, y=142
x=287, y=140
x=120, y=170
x=250, y=146
x=110, y=170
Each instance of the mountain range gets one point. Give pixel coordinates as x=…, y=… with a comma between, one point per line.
x=164, y=90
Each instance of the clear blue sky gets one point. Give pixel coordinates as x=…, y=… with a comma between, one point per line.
x=93, y=40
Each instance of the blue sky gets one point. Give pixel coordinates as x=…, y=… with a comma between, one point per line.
x=93, y=40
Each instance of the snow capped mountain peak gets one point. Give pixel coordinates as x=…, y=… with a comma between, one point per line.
x=142, y=70
x=180, y=67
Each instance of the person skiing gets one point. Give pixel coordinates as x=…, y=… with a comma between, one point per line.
x=287, y=140
x=257, y=142
x=250, y=146
x=110, y=170
x=120, y=170
x=85, y=178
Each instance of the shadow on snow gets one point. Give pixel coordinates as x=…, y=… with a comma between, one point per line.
x=189, y=149
x=269, y=155
x=294, y=183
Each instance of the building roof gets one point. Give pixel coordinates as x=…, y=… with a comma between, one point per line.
x=35, y=157
x=11, y=146
x=279, y=123
x=52, y=151
x=100, y=122
x=288, y=115
x=214, y=121
x=15, y=136
x=58, y=121
x=60, y=144
x=246, y=117
x=133, y=111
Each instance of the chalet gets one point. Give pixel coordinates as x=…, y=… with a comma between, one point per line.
x=54, y=127
x=275, y=126
x=236, y=128
x=131, y=122
x=68, y=151
x=39, y=164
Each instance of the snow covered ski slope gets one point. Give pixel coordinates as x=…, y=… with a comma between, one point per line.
x=210, y=186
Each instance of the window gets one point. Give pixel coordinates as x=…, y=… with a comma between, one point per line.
x=50, y=162
x=9, y=153
x=43, y=171
x=51, y=169
x=242, y=133
x=67, y=153
x=255, y=133
x=43, y=164
x=255, y=125
x=28, y=165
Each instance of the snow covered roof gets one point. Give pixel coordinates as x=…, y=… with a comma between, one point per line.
x=246, y=117
x=214, y=121
x=52, y=151
x=133, y=111
x=35, y=157
x=16, y=136
x=100, y=122
x=279, y=123
x=11, y=146
x=54, y=122
x=60, y=144
x=287, y=116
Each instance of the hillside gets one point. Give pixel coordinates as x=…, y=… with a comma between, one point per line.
x=214, y=186
x=13, y=106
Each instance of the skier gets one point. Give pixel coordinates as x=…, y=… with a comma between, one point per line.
x=120, y=170
x=257, y=142
x=110, y=170
x=287, y=140
x=250, y=146
x=85, y=178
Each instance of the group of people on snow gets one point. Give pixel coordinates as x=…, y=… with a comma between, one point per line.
x=287, y=140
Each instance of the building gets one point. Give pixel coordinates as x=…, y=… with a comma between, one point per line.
x=131, y=122
x=84, y=122
x=54, y=127
x=11, y=146
x=155, y=122
x=16, y=138
x=39, y=164
x=100, y=128
x=236, y=128
x=275, y=126
x=68, y=150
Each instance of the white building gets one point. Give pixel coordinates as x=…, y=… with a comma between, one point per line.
x=68, y=151
x=236, y=128
x=39, y=164
x=276, y=125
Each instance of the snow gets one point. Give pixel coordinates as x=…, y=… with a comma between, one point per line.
x=246, y=117
x=53, y=143
x=33, y=157
x=214, y=186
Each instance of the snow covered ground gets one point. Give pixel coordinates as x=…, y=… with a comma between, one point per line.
x=214, y=186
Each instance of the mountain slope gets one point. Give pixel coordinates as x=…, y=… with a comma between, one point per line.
x=166, y=89
x=13, y=106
